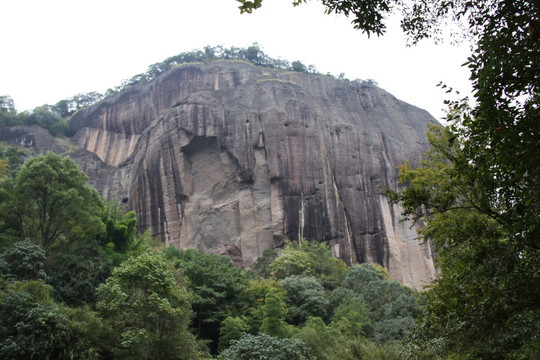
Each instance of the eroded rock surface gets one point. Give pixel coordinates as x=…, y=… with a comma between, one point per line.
x=232, y=158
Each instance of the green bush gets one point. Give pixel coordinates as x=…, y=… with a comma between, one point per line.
x=265, y=347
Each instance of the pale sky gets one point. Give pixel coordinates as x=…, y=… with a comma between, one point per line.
x=52, y=50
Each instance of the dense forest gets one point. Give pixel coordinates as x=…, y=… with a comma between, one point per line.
x=77, y=281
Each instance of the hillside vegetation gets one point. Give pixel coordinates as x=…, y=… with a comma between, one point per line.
x=477, y=193
x=77, y=281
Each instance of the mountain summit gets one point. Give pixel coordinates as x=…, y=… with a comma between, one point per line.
x=234, y=158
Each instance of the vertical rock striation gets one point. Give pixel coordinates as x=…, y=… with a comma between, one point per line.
x=229, y=157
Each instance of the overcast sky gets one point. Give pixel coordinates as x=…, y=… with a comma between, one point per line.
x=52, y=50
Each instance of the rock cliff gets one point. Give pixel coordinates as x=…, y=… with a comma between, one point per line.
x=228, y=157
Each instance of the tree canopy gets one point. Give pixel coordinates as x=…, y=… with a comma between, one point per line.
x=24, y=260
x=485, y=303
x=53, y=202
x=147, y=304
x=216, y=285
x=309, y=259
x=264, y=346
x=32, y=326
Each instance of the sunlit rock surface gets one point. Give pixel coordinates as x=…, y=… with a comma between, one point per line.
x=232, y=158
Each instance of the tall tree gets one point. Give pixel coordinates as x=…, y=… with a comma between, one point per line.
x=306, y=295
x=351, y=317
x=252, y=298
x=231, y=329
x=14, y=157
x=77, y=272
x=309, y=259
x=32, y=326
x=53, y=202
x=273, y=322
x=148, y=305
x=367, y=291
x=8, y=114
x=486, y=301
x=216, y=284
x=24, y=260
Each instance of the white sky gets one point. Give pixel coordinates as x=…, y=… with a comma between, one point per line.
x=52, y=50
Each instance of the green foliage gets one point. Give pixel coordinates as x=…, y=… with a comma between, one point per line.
x=120, y=238
x=67, y=107
x=356, y=348
x=31, y=325
x=484, y=304
x=292, y=261
x=261, y=265
x=76, y=274
x=7, y=105
x=52, y=118
x=252, y=300
x=351, y=317
x=55, y=117
x=252, y=54
x=231, y=328
x=479, y=198
x=319, y=338
x=4, y=164
x=265, y=347
x=91, y=338
x=529, y=350
x=359, y=276
x=144, y=307
x=43, y=116
x=498, y=175
x=23, y=260
x=273, y=322
x=147, y=303
x=119, y=228
x=337, y=342
x=309, y=259
x=477, y=194
x=50, y=205
x=53, y=203
x=216, y=285
x=367, y=16
x=306, y=295
x=298, y=66
x=391, y=307
x=9, y=222
x=8, y=114
x=13, y=158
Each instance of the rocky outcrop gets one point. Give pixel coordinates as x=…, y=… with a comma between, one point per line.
x=37, y=138
x=232, y=158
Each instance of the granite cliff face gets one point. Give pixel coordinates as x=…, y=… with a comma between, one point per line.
x=232, y=158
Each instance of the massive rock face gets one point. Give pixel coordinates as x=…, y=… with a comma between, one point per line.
x=229, y=157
